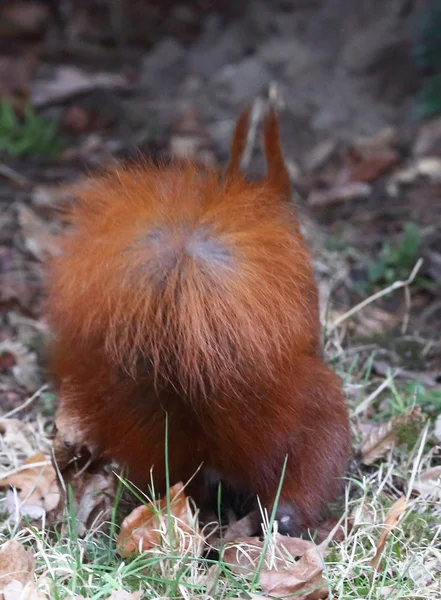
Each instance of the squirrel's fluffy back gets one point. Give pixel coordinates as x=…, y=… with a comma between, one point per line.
x=203, y=278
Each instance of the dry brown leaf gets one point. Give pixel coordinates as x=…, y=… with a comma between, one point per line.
x=141, y=530
x=429, y=167
x=331, y=525
x=123, y=595
x=367, y=165
x=19, y=284
x=15, y=437
x=302, y=581
x=382, y=439
x=93, y=495
x=70, y=81
x=36, y=487
x=428, y=142
x=24, y=18
x=283, y=575
x=429, y=483
x=39, y=238
x=374, y=320
x=243, y=553
x=25, y=368
x=392, y=518
x=243, y=528
x=15, y=590
x=16, y=564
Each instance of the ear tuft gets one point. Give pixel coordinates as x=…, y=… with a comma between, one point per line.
x=277, y=173
x=239, y=142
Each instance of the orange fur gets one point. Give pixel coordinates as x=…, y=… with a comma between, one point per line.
x=186, y=293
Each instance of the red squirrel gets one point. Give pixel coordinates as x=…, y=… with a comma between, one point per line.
x=186, y=295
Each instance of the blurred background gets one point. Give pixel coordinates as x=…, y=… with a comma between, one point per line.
x=86, y=83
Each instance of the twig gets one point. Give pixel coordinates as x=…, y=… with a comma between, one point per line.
x=25, y=467
x=14, y=176
x=417, y=461
x=408, y=302
x=395, y=286
x=367, y=401
x=26, y=403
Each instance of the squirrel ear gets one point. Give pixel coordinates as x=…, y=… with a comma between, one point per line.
x=277, y=173
x=239, y=142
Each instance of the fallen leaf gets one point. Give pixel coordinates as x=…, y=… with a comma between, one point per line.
x=24, y=366
x=123, y=595
x=93, y=495
x=368, y=158
x=303, y=581
x=425, y=572
x=340, y=532
x=146, y=527
x=24, y=18
x=428, y=483
x=429, y=167
x=36, y=487
x=70, y=81
x=244, y=555
x=368, y=168
x=20, y=285
x=339, y=193
x=15, y=438
x=375, y=320
x=428, y=142
x=16, y=564
x=392, y=518
x=38, y=236
x=384, y=437
x=15, y=590
x=243, y=528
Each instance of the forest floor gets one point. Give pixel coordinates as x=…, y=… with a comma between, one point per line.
x=85, y=88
